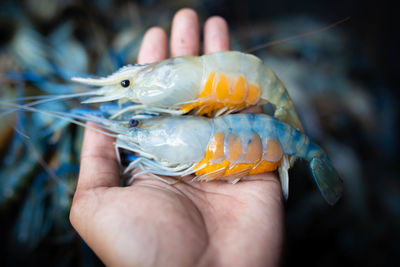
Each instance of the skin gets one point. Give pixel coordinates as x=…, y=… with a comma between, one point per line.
x=151, y=223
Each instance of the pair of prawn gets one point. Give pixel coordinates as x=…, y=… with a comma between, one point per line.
x=229, y=146
x=213, y=85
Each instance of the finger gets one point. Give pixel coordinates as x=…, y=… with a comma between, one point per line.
x=216, y=35
x=154, y=46
x=185, y=33
x=99, y=164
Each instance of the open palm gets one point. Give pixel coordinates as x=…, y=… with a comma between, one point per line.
x=188, y=224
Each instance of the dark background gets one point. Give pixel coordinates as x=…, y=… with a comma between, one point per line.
x=316, y=234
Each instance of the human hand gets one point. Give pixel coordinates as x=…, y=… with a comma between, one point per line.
x=195, y=224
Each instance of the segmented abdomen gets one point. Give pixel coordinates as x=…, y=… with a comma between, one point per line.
x=230, y=80
x=221, y=90
x=230, y=154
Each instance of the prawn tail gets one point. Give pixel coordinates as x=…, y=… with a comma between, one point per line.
x=327, y=179
x=324, y=174
x=289, y=115
x=275, y=92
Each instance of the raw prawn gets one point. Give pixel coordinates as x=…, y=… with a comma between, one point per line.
x=212, y=84
x=229, y=147
x=226, y=147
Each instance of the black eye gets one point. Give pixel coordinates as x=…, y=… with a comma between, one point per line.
x=133, y=123
x=125, y=83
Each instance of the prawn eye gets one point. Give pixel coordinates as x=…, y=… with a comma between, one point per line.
x=133, y=123
x=125, y=83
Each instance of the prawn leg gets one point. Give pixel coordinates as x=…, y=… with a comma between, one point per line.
x=147, y=109
x=284, y=176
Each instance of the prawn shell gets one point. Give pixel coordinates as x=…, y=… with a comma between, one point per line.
x=213, y=85
x=222, y=91
x=230, y=154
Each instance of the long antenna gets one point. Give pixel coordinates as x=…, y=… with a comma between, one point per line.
x=301, y=35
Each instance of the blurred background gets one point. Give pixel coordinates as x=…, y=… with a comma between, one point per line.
x=342, y=80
